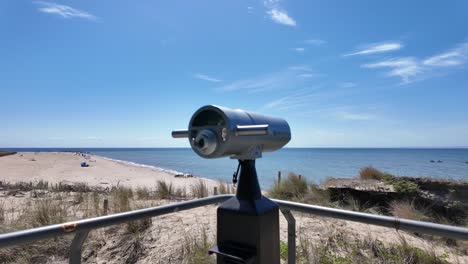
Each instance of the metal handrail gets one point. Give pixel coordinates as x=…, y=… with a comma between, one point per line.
x=23, y=236
x=447, y=231
x=82, y=227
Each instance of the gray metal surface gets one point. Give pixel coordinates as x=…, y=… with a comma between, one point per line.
x=235, y=132
x=76, y=246
x=447, y=231
x=291, y=235
x=19, y=237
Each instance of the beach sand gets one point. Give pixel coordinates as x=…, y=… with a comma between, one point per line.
x=64, y=167
x=162, y=241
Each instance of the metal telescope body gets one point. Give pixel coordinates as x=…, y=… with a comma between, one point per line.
x=216, y=132
x=247, y=224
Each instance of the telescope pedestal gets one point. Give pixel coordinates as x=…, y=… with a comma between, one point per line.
x=248, y=224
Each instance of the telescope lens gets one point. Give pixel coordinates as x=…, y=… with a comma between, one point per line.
x=201, y=143
x=205, y=142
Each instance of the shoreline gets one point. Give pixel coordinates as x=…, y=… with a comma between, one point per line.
x=56, y=167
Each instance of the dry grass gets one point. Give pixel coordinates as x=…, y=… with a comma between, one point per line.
x=164, y=190
x=338, y=247
x=195, y=248
x=143, y=193
x=406, y=210
x=293, y=188
x=121, y=199
x=199, y=189
x=48, y=211
x=225, y=188
x=371, y=173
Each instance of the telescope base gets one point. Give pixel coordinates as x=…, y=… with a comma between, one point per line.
x=248, y=232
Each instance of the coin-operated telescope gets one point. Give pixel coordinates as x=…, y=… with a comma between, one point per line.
x=247, y=224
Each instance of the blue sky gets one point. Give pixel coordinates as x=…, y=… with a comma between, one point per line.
x=343, y=73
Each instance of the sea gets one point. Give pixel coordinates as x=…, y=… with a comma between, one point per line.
x=314, y=164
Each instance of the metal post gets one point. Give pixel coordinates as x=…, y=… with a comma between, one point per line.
x=279, y=177
x=106, y=206
x=291, y=235
x=76, y=245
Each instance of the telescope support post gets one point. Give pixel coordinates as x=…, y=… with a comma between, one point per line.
x=248, y=224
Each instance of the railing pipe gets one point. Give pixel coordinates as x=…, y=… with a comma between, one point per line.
x=19, y=237
x=447, y=231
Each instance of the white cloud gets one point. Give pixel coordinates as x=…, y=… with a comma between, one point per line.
x=285, y=79
x=377, y=48
x=299, y=50
x=63, y=11
x=307, y=75
x=206, y=77
x=409, y=67
x=316, y=42
x=281, y=17
x=453, y=57
x=405, y=68
x=294, y=101
x=347, y=85
x=346, y=115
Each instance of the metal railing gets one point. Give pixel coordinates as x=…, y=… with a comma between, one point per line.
x=81, y=228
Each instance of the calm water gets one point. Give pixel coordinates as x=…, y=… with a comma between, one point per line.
x=315, y=164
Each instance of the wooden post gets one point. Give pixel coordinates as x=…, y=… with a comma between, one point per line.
x=279, y=177
x=215, y=190
x=106, y=206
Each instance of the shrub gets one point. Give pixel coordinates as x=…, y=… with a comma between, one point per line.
x=293, y=188
x=405, y=187
x=371, y=173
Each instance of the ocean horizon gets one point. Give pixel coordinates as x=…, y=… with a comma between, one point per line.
x=315, y=164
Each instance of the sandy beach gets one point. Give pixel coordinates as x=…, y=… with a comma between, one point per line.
x=56, y=167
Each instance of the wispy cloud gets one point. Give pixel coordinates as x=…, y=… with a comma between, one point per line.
x=347, y=85
x=405, y=68
x=346, y=115
x=206, y=78
x=454, y=57
x=278, y=14
x=63, y=10
x=300, y=50
x=410, y=69
x=294, y=101
x=250, y=9
x=316, y=42
x=307, y=75
x=312, y=103
x=377, y=48
x=284, y=79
